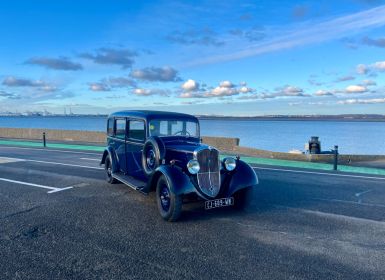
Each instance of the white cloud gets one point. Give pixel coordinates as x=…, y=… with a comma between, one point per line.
x=292, y=91
x=344, y=79
x=362, y=101
x=356, y=89
x=226, y=84
x=362, y=69
x=222, y=91
x=99, y=87
x=307, y=33
x=245, y=89
x=380, y=65
x=190, y=85
x=323, y=93
x=369, y=83
x=156, y=74
x=191, y=95
x=148, y=92
x=142, y=92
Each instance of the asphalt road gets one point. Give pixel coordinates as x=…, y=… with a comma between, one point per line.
x=59, y=219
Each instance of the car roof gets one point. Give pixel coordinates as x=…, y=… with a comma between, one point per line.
x=149, y=115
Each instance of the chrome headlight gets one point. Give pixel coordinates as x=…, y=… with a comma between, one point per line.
x=229, y=163
x=193, y=166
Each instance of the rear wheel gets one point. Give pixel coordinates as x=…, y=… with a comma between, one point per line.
x=108, y=169
x=169, y=204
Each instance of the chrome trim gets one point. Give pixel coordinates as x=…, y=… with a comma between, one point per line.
x=213, y=189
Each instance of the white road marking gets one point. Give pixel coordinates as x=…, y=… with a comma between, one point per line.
x=52, y=189
x=95, y=159
x=80, y=185
x=9, y=160
x=320, y=173
x=59, y=190
x=64, y=164
x=50, y=150
x=361, y=193
x=350, y=202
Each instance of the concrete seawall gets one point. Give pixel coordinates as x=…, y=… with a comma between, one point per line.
x=228, y=145
x=94, y=137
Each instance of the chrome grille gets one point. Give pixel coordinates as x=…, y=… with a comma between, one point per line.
x=209, y=174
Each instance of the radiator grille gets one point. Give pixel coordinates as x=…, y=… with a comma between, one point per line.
x=209, y=174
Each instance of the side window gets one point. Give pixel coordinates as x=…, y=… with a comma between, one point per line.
x=120, y=128
x=137, y=130
x=110, y=127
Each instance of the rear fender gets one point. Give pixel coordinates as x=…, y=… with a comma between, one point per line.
x=109, y=152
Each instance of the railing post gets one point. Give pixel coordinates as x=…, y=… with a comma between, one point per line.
x=44, y=140
x=335, y=165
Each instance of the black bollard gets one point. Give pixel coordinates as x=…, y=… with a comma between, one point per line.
x=44, y=141
x=335, y=157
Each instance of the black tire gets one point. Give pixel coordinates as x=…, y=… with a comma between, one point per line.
x=171, y=211
x=108, y=169
x=244, y=198
x=153, y=153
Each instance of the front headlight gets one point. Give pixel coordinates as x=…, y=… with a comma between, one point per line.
x=193, y=166
x=229, y=163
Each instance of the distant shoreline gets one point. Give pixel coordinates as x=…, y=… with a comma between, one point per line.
x=347, y=118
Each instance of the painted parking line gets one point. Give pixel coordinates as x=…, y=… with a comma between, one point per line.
x=359, y=203
x=320, y=173
x=52, y=189
x=9, y=160
x=93, y=159
x=59, y=163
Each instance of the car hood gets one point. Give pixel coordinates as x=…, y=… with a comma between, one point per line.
x=182, y=146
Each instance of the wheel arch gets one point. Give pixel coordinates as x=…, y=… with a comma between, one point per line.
x=178, y=181
x=109, y=152
x=243, y=177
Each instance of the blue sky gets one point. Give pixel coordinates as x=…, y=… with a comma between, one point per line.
x=201, y=57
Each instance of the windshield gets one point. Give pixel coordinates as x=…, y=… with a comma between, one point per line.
x=174, y=128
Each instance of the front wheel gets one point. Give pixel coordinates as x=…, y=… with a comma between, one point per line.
x=169, y=204
x=244, y=198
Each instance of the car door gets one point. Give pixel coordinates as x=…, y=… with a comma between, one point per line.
x=134, y=146
x=120, y=143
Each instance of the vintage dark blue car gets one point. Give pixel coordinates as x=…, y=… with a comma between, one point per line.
x=162, y=152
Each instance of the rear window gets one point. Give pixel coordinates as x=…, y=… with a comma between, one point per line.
x=120, y=128
x=110, y=127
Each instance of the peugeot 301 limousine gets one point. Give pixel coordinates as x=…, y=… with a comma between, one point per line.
x=162, y=152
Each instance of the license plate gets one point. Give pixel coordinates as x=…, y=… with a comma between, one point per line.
x=221, y=202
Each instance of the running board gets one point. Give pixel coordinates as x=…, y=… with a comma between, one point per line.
x=131, y=182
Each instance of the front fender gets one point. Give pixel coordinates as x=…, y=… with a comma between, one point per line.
x=178, y=181
x=243, y=177
x=110, y=152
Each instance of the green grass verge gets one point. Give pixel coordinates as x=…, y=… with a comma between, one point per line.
x=311, y=165
x=52, y=145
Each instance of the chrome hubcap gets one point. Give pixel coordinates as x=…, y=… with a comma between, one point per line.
x=165, y=198
x=150, y=159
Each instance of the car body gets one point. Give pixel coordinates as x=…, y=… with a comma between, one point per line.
x=163, y=152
